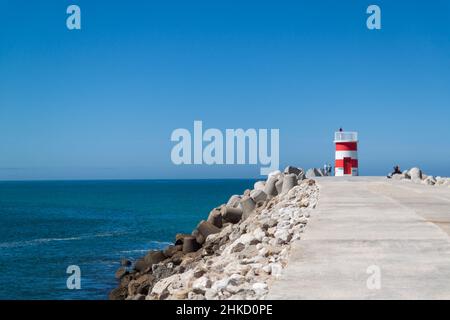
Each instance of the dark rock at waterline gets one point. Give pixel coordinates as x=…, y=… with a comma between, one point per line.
x=119, y=293
x=122, y=271
x=177, y=258
x=125, y=280
x=141, y=265
x=125, y=262
x=171, y=250
x=206, y=228
x=179, y=238
x=153, y=257
x=190, y=244
x=141, y=285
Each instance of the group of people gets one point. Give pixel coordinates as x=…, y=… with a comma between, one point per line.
x=327, y=169
x=396, y=171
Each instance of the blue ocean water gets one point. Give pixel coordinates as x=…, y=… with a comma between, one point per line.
x=45, y=226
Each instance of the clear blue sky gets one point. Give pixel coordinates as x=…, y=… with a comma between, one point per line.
x=102, y=102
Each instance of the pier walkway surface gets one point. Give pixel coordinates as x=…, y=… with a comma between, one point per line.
x=371, y=238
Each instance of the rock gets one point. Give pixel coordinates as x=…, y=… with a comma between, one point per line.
x=294, y=170
x=198, y=237
x=430, y=180
x=125, y=262
x=201, y=285
x=276, y=269
x=234, y=201
x=190, y=244
x=215, y=218
x=195, y=296
x=275, y=173
x=141, y=265
x=237, y=260
x=125, y=280
x=313, y=172
x=162, y=270
x=154, y=256
x=270, y=189
x=179, y=237
x=169, y=251
x=139, y=297
x=159, y=290
x=177, y=258
x=199, y=272
x=141, y=285
x=259, y=185
x=119, y=293
x=279, y=184
x=415, y=173
x=259, y=234
x=260, y=288
x=398, y=176
x=210, y=294
x=247, y=238
x=289, y=182
x=238, y=247
x=248, y=206
x=220, y=284
x=236, y=279
x=258, y=196
x=122, y=271
x=283, y=236
x=230, y=214
x=206, y=228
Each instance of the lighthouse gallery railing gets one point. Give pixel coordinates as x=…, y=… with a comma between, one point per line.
x=345, y=136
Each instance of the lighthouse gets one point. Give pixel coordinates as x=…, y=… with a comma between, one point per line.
x=346, y=160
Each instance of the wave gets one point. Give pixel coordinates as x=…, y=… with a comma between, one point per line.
x=26, y=243
x=151, y=245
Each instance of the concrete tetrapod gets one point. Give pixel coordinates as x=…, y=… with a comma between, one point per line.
x=231, y=214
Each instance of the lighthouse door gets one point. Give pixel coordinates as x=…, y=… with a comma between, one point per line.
x=347, y=165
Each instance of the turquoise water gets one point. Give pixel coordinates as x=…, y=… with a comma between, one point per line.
x=47, y=226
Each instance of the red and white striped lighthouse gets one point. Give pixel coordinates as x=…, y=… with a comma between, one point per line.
x=346, y=160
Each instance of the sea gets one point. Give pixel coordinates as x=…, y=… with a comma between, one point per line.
x=48, y=226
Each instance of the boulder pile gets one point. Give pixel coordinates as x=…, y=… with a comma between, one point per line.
x=416, y=175
x=235, y=253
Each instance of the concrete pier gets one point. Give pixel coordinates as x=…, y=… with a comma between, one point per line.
x=367, y=224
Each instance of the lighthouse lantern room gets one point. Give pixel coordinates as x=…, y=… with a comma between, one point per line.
x=346, y=160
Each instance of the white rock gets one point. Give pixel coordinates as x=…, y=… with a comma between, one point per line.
x=430, y=180
x=267, y=268
x=201, y=284
x=210, y=294
x=260, y=288
x=220, y=284
x=236, y=279
x=275, y=173
x=259, y=185
x=259, y=234
x=246, y=238
x=282, y=236
x=162, y=284
x=276, y=269
x=234, y=201
x=415, y=173
x=263, y=252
